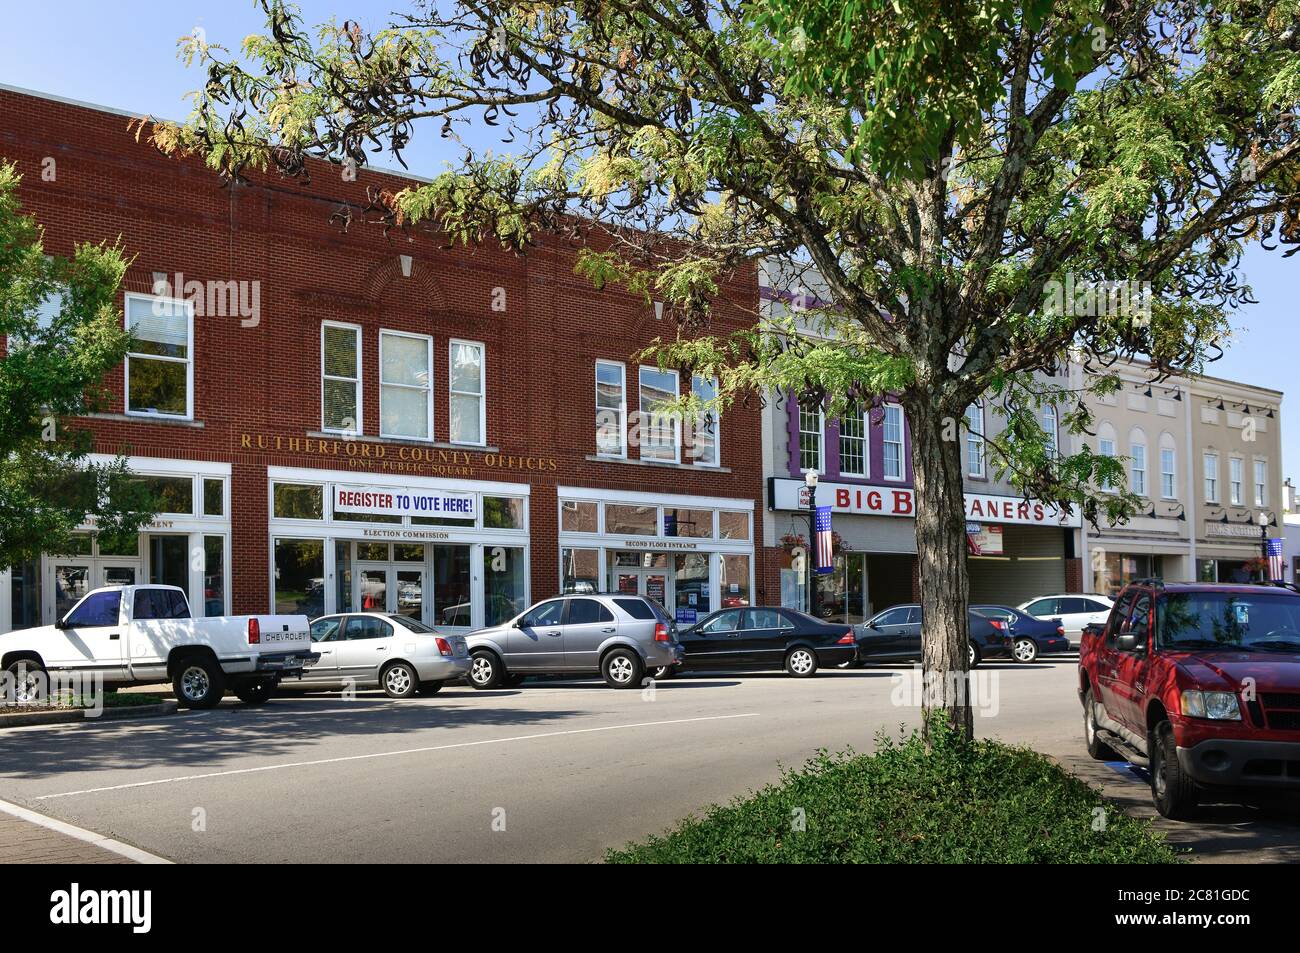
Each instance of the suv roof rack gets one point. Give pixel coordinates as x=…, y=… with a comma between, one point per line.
x=1148, y=581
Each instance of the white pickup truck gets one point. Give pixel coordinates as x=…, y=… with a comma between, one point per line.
x=134, y=634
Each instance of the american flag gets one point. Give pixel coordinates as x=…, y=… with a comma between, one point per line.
x=825, y=553
x=1276, y=563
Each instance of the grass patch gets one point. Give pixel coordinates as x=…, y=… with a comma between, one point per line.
x=980, y=803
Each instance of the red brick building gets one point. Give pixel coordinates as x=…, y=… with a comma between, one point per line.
x=341, y=419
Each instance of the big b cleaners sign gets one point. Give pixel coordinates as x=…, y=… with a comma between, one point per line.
x=885, y=500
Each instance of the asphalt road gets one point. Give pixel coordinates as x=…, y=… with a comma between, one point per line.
x=552, y=771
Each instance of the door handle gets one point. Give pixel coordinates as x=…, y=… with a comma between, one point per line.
x=113, y=636
x=381, y=649
x=556, y=632
x=609, y=630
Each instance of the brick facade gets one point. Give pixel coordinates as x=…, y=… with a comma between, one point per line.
x=257, y=390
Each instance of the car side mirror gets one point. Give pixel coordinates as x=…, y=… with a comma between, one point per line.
x=1127, y=642
x=61, y=623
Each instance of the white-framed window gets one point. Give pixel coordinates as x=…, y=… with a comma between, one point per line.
x=405, y=385
x=1106, y=448
x=160, y=365
x=660, y=428
x=1236, y=480
x=1261, y=483
x=893, y=432
x=975, y=439
x=611, y=409
x=1138, y=469
x=1210, y=469
x=810, y=439
x=1168, y=473
x=1137, y=466
x=706, y=434
x=854, y=459
x=340, y=391
x=468, y=383
x=1051, y=427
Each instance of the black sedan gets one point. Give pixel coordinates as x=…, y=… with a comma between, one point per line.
x=759, y=637
x=1030, y=637
x=895, y=635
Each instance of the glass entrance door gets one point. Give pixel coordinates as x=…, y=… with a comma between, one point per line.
x=390, y=589
x=653, y=581
x=372, y=588
x=71, y=581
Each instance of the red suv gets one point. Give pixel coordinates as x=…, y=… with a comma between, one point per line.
x=1199, y=683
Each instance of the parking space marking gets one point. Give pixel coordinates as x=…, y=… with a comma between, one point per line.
x=81, y=834
x=390, y=754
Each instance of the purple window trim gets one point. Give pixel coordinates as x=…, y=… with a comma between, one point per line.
x=831, y=448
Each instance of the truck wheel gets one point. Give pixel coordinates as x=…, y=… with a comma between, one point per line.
x=30, y=681
x=485, y=670
x=257, y=692
x=662, y=672
x=399, y=680
x=1173, y=791
x=1097, y=748
x=1025, y=650
x=801, y=662
x=622, y=668
x=198, y=683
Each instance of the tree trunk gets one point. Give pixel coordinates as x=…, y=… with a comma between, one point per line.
x=937, y=444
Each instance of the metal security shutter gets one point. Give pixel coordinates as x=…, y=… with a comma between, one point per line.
x=1036, y=567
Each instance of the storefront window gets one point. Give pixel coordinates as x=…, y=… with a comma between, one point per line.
x=175, y=495
x=119, y=544
x=169, y=563
x=622, y=520
x=214, y=575
x=79, y=544
x=70, y=584
x=300, y=577
x=343, y=577
x=408, y=552
x=451, y=590
x=691, y=586
x=25, y=595
x=580, y=570
x=841, y=594
x=697, y=523
x=1116, y=570
x=503, y=512
x=295, y=501
x=577, y=517
x=734, y=581
x=373, y=551
x=503, y=583
x=733, y=525
x=214, y=497
x=1205, y=570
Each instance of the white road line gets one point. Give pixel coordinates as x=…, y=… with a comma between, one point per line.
x=391, y=754
x=81, y=834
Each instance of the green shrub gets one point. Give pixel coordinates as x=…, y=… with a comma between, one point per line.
x=978, y=803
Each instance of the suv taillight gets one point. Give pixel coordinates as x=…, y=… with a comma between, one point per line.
x=846, y=638
x=254, y=632
x=444, y=647
x=1060, y=630
x=661, y=632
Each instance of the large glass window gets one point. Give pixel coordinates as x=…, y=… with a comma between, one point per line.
x=734, y=581
x=504, y=589
x=340, y=346
x=580, y=570
x=810, y=439
x=343, y=577
x=214, y=497
x=467, y=389
x=611, y=409
x=159, y=368
x=853, y=445
x=691, y=586
x=300, y=577
x=893, y=437
x=627, y=520
x=733, y=525
x=659, y=425
x=578, y=516
x=503, y=512
x=169, y=563
x=681, y=522
x=175, y=495
x=405, y=385
x=298, y=501
x=706, y=434
x=25, y=595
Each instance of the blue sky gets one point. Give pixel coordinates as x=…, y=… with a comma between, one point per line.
x=122, y=54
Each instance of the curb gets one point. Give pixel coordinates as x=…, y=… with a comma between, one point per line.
x=28, y=718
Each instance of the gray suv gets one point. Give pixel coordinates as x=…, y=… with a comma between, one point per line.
x=619, y=636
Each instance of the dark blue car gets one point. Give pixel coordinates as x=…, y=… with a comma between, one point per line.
x=1030, y=637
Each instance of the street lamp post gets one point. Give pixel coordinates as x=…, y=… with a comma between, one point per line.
x=810, y=555
x=1263, y=547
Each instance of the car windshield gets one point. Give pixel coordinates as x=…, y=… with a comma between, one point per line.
x=415, y=625
x=1264, y=621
